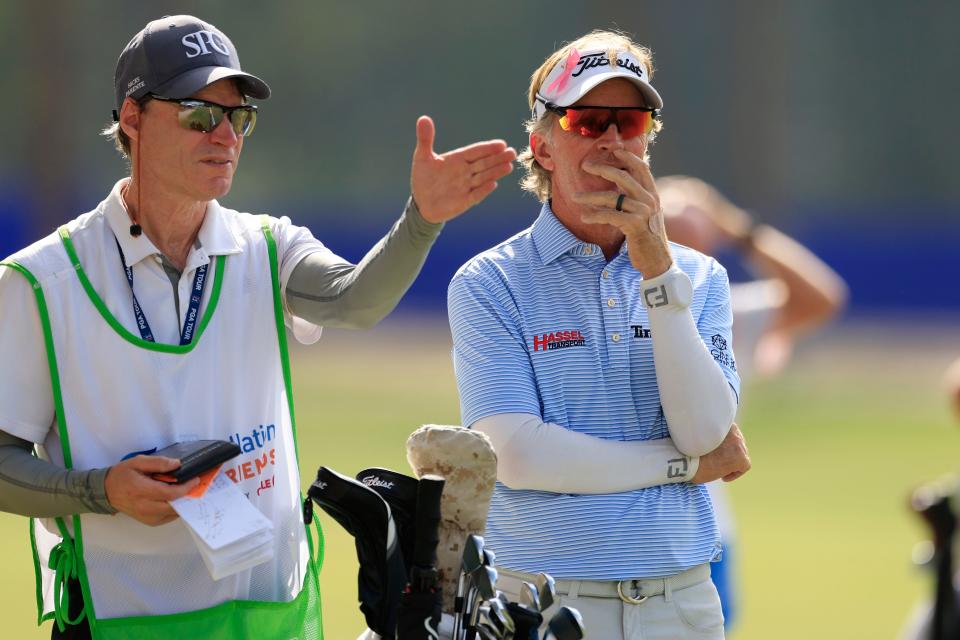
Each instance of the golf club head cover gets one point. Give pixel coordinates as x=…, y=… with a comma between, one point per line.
x=400, y=492
x=429, y=495
x=367, y=517
x=466, y=460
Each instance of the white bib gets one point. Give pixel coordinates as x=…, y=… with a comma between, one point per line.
x=122, y=395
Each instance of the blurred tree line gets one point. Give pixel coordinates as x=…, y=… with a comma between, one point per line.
x=787, y=106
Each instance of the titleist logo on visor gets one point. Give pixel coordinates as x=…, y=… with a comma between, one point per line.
x=592, y=60
x=197, y=43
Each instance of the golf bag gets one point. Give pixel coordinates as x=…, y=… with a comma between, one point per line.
x=393, y=519
x=402, y=535
x=368, y=518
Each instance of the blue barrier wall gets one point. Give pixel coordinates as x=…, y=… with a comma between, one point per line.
x=892, y=260
x=890, y=263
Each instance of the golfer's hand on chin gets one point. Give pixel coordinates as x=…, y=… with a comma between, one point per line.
x=634, y=209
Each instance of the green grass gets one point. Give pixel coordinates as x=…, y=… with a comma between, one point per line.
x=824, y=533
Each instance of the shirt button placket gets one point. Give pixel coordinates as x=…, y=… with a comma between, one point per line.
x=612, y=319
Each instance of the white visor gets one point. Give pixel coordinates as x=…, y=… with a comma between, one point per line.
x=573, y=78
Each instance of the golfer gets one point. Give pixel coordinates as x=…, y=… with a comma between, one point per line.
x=597, y=357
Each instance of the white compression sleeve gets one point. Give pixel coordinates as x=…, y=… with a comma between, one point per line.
x=697, y=400
x=532, y=454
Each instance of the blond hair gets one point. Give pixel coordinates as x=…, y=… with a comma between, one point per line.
x=537, y=179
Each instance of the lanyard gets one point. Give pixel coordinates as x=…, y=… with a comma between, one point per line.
x=186, y=334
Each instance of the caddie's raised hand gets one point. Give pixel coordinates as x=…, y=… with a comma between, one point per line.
x=633, y=208
x=132, y=490
x=729, y=461
x=444, y=186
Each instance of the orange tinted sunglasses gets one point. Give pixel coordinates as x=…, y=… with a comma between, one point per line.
x=592, y=122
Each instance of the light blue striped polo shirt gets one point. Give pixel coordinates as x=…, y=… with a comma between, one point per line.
x=542, y=324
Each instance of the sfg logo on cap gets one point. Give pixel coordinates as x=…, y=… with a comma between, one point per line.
x=198, y=41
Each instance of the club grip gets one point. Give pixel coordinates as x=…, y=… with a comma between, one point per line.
x=429, y=491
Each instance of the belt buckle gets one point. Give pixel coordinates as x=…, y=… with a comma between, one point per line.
x=629, y=599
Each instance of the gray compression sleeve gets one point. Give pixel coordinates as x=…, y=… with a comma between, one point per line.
x=33, y=487
x=329, y=291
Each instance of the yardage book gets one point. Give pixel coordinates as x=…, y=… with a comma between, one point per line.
x=230, y=532
x=195, y=458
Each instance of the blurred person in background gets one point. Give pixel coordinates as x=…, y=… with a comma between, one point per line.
x=160, y=317
x=951, y=383
x=582, y=348
x=793, y=293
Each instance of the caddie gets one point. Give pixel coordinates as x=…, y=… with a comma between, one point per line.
x=160, y=316
x=597, y=358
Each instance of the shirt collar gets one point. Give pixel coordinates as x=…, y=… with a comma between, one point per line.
x=216, y=237
x=115, y=211
x=553, y=239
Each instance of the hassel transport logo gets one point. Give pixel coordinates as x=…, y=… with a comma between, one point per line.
x=559, y=340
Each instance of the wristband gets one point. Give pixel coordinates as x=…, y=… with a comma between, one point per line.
x=671, y=289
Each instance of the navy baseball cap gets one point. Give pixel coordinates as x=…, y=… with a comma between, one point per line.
x=175, y=57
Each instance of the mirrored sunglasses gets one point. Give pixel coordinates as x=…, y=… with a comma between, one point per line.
x=592, y=121
x=201, y=115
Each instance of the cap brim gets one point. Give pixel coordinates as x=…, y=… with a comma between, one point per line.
x=650, y=95
x=189, y=82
